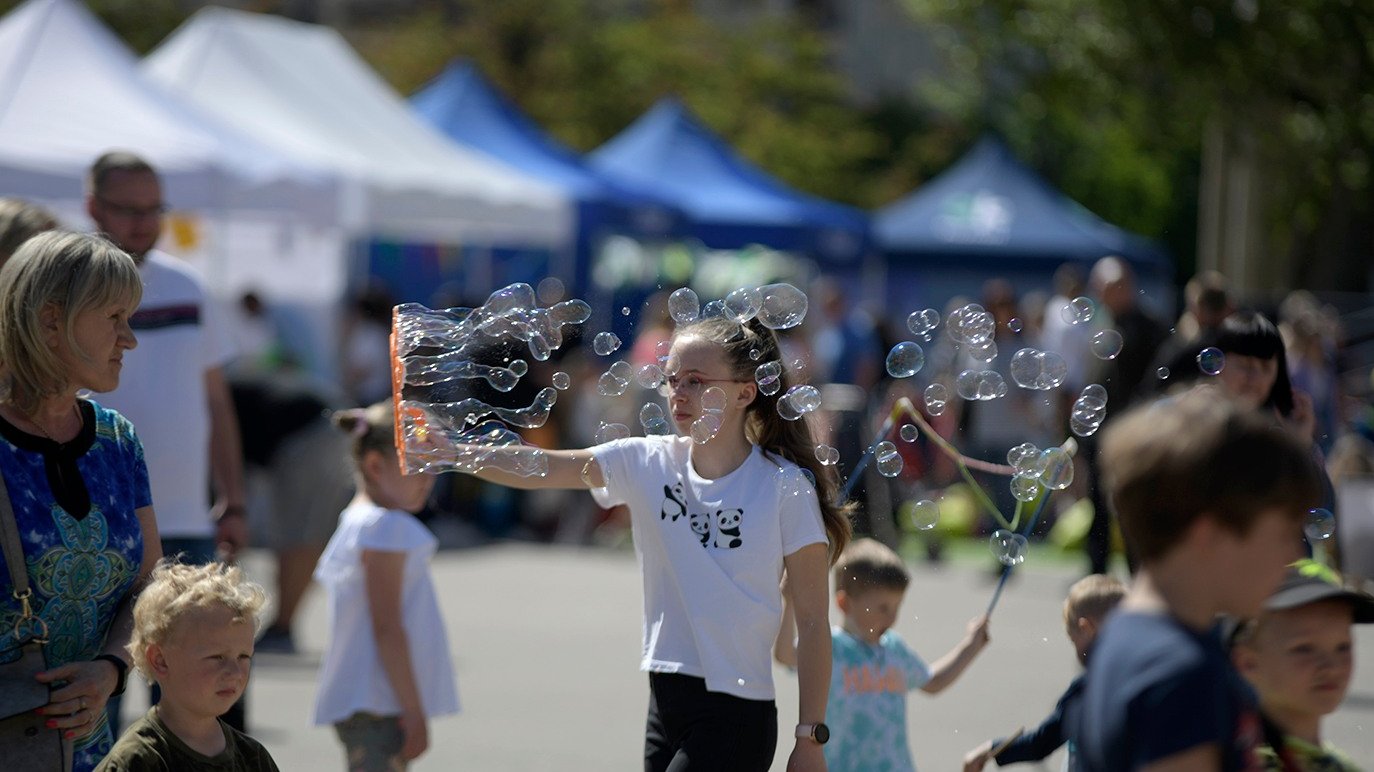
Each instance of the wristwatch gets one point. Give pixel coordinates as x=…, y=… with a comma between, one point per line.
x=818, y=733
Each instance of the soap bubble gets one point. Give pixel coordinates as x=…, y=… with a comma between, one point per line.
x=905, y=360
x=887, y=459
x=791, y=481
x=652, y=419
x=979, y=326
x=608, y=431
x=1058, y=469
x=622, y=370
x=1009, y=548
x=786, y=409
x=649, y=376
x=827, y=455
x=983, y=350
x=661, y=351
x=804, y=397
x=1211, y=361
x=1014, y=325
x=1107, y=344
x=605, y=343
x=967, y=384
x=936, y=396
x=991, y=385
x=1162, y=373
x=743, y=304
x=1018, y=456
x=754, y=354
x=684, y=306
x=713, y=400
x=611, y=386
x=713, y=309
x=782, y=307
x=1024, y=488
x=923, y=323
x=1038, y=370
x=1080, y=310
x=925, y=514
x=561, y=380
x=1094, y=391
x=704, y=429
x=1320, y=525
x=769, y=377
x=909, y=432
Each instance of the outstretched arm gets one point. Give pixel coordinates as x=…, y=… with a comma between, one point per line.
x=949, y=667
x=575, y=469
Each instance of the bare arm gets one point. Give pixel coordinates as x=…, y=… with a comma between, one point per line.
x=785, y=645
x=226, y=464
x=948, y=668
x=567, y=469
x=385, y=573
x=808, y=584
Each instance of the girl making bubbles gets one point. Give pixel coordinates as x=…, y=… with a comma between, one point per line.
x=386, y=669
x=715, y=525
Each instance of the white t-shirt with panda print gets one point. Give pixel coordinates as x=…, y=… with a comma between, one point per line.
x=711, y=556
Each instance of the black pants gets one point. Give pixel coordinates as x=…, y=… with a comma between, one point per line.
x=690, y=728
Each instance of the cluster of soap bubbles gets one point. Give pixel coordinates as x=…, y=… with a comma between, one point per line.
x=1080, y=310
x=435, y=347
x=923, y=323
x=798, y=401
x=887, y=459
x=1033, y=467
x=1089, y=410
x=616, y=380
x=936, y=397
x=827, y=455
x=776, y=306
x=768, y=376
x=980, y=385
x=1009, y=548
x=651, y=417
x=1038, y=370
x=706, y=426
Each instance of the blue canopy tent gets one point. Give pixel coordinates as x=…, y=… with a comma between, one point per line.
x=990, y=215
x=731, y=203
x=463, y=105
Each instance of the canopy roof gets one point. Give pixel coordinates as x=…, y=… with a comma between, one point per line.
x=731, y=202
x=989, y=205
x=300, y=89
x=70, y=90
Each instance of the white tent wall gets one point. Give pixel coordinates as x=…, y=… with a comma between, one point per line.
x=300, y=89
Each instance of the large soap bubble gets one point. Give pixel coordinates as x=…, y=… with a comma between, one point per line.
x=782, y=306
x=743, y=304
x=684, y=306
x=905, y=360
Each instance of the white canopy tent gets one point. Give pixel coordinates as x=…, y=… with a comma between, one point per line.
x=301, y=90
x=70, y=90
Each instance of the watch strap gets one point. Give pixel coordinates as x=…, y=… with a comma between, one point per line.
x=121, y=671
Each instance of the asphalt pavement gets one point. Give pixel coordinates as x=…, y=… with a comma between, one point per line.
x=545, y=641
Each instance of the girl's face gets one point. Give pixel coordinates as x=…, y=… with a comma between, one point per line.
x=695, y=366
x=388, y=487
x=1249, y=379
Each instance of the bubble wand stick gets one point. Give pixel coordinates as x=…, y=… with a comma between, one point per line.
x=1006, y=570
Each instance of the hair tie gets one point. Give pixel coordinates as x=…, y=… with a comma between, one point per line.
x=360, y=425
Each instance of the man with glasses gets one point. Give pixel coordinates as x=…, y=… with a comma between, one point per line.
x=172, y=386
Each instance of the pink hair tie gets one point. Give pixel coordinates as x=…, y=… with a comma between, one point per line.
x=359, y=416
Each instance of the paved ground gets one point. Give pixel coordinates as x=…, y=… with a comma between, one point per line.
x=546, y=642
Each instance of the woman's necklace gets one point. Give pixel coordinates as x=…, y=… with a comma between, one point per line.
x=34, y=420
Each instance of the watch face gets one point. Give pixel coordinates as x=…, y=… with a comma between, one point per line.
x=822, y=733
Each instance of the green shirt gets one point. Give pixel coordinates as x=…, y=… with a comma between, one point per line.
x=149, y=746
x=1309, y=757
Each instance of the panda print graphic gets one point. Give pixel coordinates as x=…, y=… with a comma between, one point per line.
x=719, y=529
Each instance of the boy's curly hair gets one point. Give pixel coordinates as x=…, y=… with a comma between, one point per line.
x=176, y=588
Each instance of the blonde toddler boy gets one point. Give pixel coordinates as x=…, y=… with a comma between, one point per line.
x=193, y=635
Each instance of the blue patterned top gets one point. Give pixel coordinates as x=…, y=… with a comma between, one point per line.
x=81, y=564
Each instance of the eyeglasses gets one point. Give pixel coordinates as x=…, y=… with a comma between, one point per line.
x=132, y=212
x=690, y=384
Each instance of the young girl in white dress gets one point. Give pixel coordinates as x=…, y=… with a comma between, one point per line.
x=715, y=526
x=387, y=668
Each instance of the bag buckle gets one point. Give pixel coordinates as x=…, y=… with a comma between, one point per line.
x=28, y=623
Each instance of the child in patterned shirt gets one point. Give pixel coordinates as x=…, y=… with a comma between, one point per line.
x=873, y=667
